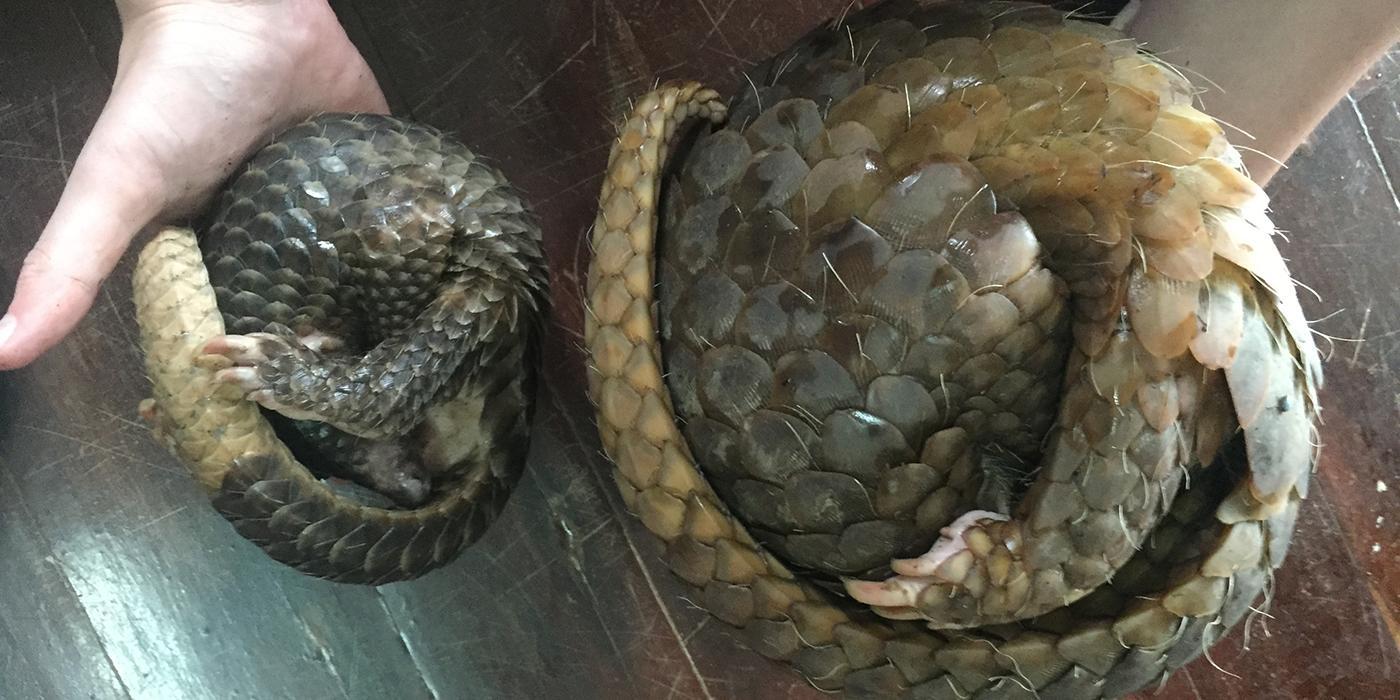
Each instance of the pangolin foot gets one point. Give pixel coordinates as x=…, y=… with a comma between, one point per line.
x=155, y=419
x=252, y=352
x=897, y=597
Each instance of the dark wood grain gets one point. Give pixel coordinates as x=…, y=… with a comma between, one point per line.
x=48, y=646
x=119, y=581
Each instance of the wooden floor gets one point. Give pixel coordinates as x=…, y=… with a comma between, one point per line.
x=118, y=581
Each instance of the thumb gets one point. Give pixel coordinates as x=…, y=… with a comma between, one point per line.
x=114, y=190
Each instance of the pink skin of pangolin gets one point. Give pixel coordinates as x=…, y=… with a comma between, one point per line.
x=912, y=576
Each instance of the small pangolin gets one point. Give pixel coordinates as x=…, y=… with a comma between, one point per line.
x=377, y=288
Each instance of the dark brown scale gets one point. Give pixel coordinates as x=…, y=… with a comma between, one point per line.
x=403, y=246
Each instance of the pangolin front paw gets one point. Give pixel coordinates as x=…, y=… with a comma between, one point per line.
x=898, y=596
x=262, y=364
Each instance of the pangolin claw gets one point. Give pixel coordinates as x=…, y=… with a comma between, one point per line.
x=945, y=564
x=952, y=540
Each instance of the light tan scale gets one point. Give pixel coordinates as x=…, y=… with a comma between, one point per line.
x=1045, y=164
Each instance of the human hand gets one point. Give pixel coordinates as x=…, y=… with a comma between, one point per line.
x=1274, y=68
x=199, y=85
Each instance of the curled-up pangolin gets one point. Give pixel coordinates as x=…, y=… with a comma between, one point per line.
x=974, y=370
x=376, y=288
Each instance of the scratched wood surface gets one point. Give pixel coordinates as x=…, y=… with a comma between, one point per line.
x=117, y=580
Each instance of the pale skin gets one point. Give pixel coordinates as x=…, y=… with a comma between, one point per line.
x=1277, y=66
x=201, y=83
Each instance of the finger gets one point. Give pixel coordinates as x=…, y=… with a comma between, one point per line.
x=113, y=192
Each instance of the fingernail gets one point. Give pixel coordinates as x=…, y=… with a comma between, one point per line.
x=7, y=328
